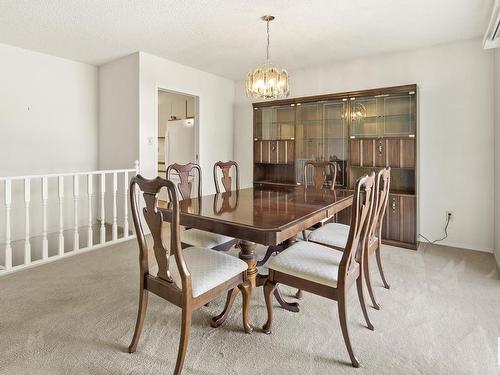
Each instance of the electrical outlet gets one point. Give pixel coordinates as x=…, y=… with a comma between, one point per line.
x=449, y=214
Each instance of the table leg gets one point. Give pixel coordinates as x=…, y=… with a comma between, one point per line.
x=247, y=253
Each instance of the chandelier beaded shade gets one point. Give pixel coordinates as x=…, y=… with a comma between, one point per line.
x=267, y=81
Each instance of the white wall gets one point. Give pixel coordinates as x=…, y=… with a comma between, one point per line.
x=48, y=122
x=119, y=113
x=215, y=112
x=497, y=154
x=456, y=129
x=48, y=113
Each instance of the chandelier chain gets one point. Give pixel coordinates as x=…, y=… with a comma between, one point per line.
x=267, y=52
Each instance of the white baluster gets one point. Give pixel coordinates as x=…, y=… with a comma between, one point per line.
x=76, y=192
x=136, y=166
x=8, y=248
x=103, y=191
x=45, y=241
x=61, y=218
x=125, y=205
x=90, y=193
x=27, y=199
x=115, y=225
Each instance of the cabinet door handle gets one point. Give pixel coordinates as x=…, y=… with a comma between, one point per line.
x=273, y=147
x=380, y=148
x=393, y=206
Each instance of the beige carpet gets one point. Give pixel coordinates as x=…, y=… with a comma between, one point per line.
x=76, y=316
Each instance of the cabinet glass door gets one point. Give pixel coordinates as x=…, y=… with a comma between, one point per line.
x=274, y=123
x=335, y=131
x=399, y=115
x=264, y=128
x=364, y=116
x=284, y=121
x=309, y=136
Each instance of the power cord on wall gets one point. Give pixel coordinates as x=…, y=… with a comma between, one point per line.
x=445, y=231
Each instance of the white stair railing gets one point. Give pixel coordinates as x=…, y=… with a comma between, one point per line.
x=9, y=261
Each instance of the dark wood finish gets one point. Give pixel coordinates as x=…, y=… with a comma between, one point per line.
x=184, y=172
x=350, y=268
x=393, y=150
x=268, y=215
x=162, y=284
x=337, y=96
x=367, y=152
x=322, y=170
x=393, y=142
x=226, y=179
x=408, y=215
x=408, y=153
x=355, y=152
x=373, y=242
x=380, y=152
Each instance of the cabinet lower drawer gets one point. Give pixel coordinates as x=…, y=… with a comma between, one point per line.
x=382, y=152
x=274, y=152
x=400, y=219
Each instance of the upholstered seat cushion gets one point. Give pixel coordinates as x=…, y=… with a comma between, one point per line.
x=333, y=234
x=200, y=238
x=309, y=261
x=208, y=268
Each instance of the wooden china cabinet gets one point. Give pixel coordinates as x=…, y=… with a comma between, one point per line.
x=360, y=131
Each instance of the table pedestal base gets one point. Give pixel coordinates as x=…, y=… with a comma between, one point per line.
x=247, y=253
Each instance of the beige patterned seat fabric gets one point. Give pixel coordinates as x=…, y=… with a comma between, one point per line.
x=200, y=238
x=333, y=234
x=208, y=268
x=309, y=261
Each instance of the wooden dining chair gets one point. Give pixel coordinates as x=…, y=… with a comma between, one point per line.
x=335, y=235
x=192, y=236
x=226, y=179
x=189, y=278
x=323, y=271
x=322, y=172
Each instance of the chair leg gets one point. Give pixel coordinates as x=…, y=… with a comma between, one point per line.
x=299, y=294
x=304, y=235
x=269, y=288
x=366, y=272
x=221, y=318
x=141, y=313
x=246, y=291
x=379, y=263
x=183, y=343
x=343, y=325
x=361, y=296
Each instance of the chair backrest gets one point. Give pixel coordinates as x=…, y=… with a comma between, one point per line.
x=320, y=176
x=382, y=186
x=226, y=179
x=361, y=211
x=184, y=171
x=154, y=218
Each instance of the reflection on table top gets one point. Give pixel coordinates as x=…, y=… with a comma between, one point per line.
x=267, y=208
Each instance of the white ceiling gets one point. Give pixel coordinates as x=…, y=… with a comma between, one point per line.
x=227, y=38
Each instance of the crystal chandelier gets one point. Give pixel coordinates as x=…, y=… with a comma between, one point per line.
x=267, y=81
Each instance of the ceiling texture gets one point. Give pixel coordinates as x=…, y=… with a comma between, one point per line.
x=227, y=37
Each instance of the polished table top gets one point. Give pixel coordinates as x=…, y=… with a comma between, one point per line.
x=262, y=214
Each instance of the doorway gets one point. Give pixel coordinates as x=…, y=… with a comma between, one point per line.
x=177, y=130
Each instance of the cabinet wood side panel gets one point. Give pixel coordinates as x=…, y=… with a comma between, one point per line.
x=408, y=153
x=355, y=152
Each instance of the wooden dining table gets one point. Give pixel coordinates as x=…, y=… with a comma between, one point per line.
x=266, y=215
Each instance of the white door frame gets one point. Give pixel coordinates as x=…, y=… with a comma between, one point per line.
x=159, y=88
